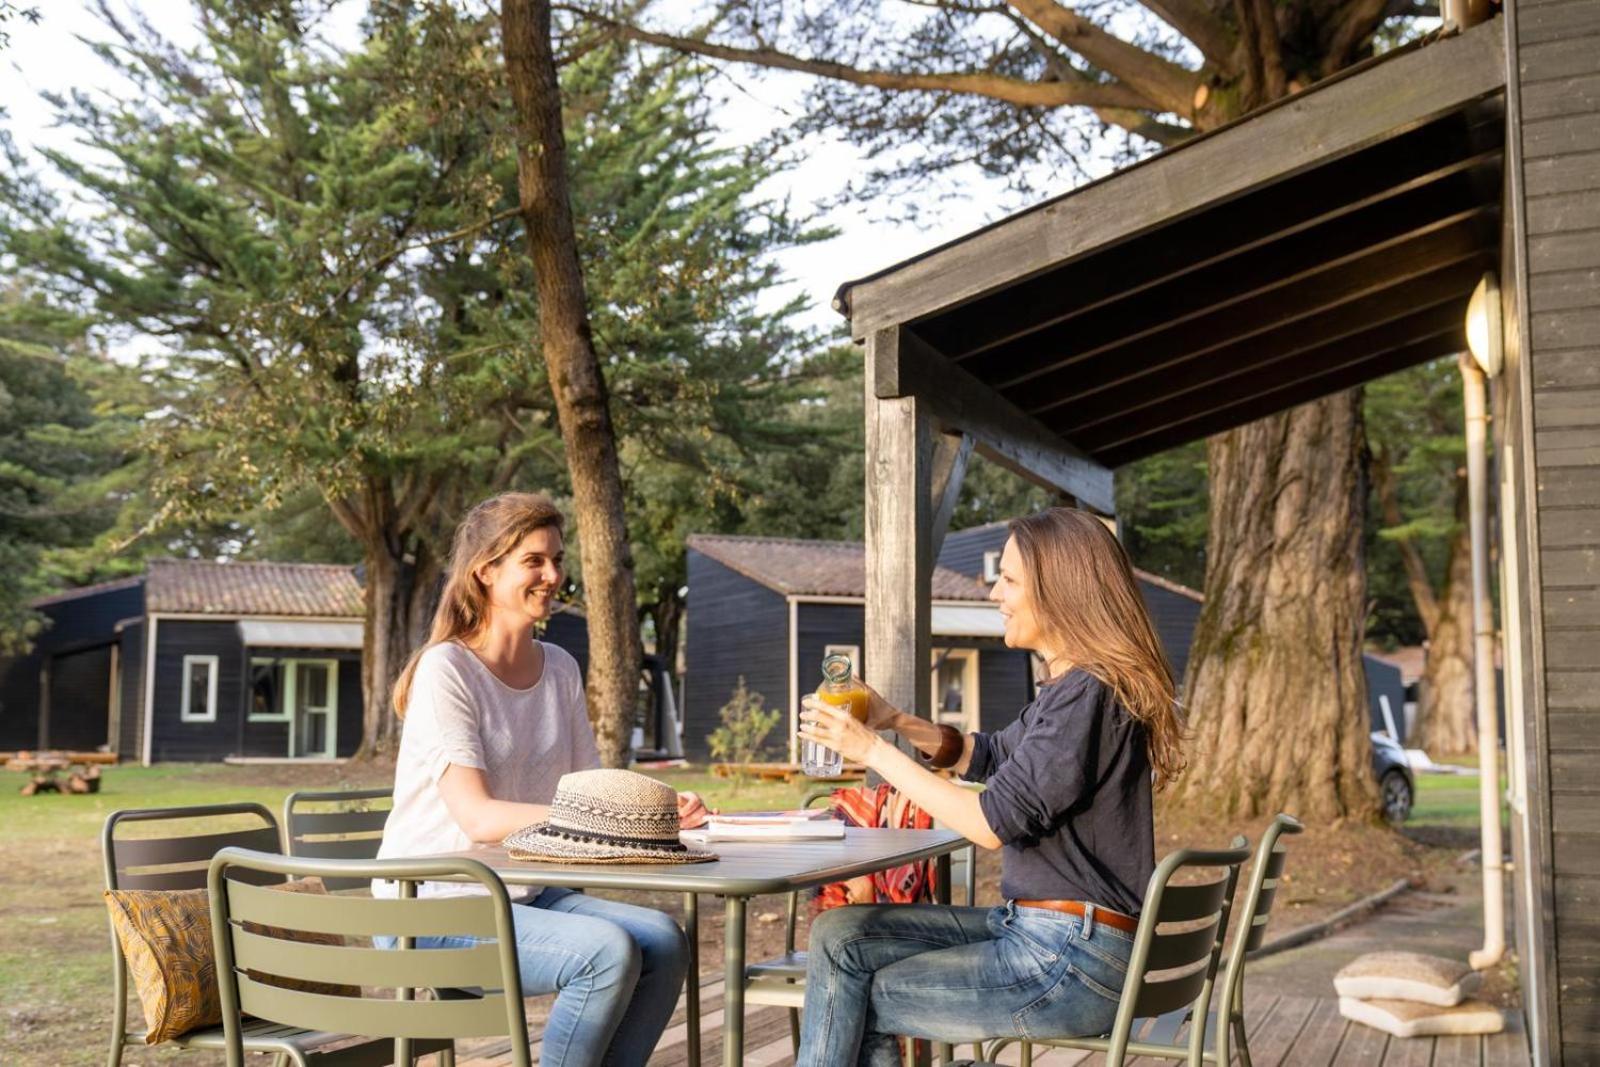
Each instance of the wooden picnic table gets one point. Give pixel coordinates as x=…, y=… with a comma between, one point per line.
x=82, y=768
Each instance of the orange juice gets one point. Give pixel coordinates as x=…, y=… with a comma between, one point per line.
x=848, y=696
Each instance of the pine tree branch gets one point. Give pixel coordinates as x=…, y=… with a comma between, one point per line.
x=1416, y=570
x=1138, y=123
x=994, y=86
x=1203, y=29
x=1170, y=86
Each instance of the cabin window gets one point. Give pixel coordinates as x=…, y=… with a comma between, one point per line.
x=991, y=567
x=268, y=697
x=200, y=689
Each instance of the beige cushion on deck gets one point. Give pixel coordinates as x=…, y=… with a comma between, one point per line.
x=1405, y=1018
x=1407, y=976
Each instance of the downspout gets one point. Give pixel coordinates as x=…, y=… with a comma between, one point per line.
x=1485, y=340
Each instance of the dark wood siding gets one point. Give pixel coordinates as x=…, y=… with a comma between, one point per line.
x=1005, y=685
x=1556, y=50
x=173, y=739
x=1174, y=616
x=349, y=738
x=80, y=700
x=73, y=626
x=735, y=628
x=963, y=550
x=130, y=740
x=569, y=632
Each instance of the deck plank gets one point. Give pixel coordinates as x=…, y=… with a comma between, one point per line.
x=1362, y=1047
x=1457, y=1050
x=1408, y=1052
x=1269, y=1047
x=1319, y=1040
x=1508, y=1048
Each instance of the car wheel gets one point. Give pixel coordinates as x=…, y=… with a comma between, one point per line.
x=1396, y=792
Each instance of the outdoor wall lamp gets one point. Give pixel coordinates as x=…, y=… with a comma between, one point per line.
x=1485, y=339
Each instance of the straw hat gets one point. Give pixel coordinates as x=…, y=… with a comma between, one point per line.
x=607, y=817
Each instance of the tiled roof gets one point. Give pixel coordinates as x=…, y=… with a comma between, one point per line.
x=86, y=590
x=816, y=568
x=237, y=589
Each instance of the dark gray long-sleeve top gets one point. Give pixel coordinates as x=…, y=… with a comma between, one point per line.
x=1067, y=792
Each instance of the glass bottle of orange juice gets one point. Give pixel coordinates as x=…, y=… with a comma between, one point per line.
x=841, y=690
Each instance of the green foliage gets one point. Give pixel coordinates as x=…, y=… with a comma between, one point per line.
x=62, y=450
x=746, y=724
x=10, y=11
x=1162, y=502
x=1415, y=433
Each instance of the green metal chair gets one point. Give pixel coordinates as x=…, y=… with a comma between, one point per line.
x=345, y=825
x=245, y=957
x=1251, y=930
x=1171, y=971
x=179, y=859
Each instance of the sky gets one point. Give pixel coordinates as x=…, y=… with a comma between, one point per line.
x=51, y=57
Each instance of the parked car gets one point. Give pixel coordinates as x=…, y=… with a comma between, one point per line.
x=1397, y=786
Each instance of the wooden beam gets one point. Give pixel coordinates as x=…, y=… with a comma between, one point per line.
x=1368, y=322
x=1230, y=390
x=1212, y=239
x=1303, y=297
x=951, y=453
x=1298, y=391
x=1342, y=116
x=1363, y=237
x=901, y=365
x=899, y=523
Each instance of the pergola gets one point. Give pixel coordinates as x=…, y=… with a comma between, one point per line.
x=1330, y=239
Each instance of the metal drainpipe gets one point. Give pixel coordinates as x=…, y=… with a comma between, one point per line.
x=1475, y=393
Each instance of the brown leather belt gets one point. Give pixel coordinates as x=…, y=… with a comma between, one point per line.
x=1114, y=919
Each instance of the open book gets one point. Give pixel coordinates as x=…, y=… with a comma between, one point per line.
x=817, y=824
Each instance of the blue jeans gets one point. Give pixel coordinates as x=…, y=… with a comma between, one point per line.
x=953, y=975
x=616, y=970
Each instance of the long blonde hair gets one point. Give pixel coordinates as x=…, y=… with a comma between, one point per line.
x=1089, y=607
x=490, y=530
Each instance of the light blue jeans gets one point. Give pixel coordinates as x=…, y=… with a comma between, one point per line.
x=616, y=970
x=953, y=974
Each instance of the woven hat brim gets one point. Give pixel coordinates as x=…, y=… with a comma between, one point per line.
x=541, y=848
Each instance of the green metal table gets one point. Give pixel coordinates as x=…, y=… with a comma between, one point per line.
x=744, y=869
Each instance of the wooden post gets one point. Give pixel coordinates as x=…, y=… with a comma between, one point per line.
x=900, y=512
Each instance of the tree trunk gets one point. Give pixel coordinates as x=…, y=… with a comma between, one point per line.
x=401, y=592
x=1447, y=722
x=1275, y=694
x=582, y=405
x=666, y=616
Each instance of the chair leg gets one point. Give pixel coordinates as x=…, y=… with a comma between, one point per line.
x=794, y=1029
x=1239, y=1041
x=1027, y=1053
x=447, y=1057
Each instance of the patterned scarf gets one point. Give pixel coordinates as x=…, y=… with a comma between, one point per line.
x=880, y=807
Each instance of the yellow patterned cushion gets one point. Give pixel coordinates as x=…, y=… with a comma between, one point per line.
x=166, y=938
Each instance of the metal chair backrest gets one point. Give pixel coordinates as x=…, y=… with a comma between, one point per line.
x=177, y=860
x=1256, y=909
x=1170, y=968
x=344, y=825
x=246, y=956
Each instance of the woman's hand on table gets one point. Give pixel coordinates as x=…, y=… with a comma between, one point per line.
x=692, y=811
x=837, y=729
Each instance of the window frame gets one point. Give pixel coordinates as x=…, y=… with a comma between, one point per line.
x=185, y=713
x=285, y=710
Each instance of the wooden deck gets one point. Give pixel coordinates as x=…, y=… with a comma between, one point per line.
x=1285, y=1031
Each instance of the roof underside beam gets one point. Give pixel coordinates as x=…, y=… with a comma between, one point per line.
x=906, y=366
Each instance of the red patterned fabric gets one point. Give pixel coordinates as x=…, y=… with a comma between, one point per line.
x=881, y=807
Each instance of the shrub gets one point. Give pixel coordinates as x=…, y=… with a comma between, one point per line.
x=742, y=737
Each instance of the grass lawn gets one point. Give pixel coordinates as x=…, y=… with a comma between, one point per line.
x=55, y=975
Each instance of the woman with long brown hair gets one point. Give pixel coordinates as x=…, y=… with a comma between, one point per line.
x=1067, y=798
x=493, y=718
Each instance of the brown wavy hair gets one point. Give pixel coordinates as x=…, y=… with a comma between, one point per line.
x=490, y=530
x=1089, y=607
